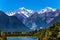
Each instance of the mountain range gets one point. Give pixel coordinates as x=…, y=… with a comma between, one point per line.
x=25, y=20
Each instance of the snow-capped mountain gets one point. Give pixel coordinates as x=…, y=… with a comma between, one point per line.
x=23, y=11
x=26, y=12
x=47, y=9
x=36, y=19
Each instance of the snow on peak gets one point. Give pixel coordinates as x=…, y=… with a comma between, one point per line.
x=47, y=9
x=28, y=12
x=25, y=12
x=22, y=8
x=10, y=13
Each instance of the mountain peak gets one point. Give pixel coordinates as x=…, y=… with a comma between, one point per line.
x=47, y=9
x=22, y=8
x=28, y=12
x=25, y=11
x=10, y=13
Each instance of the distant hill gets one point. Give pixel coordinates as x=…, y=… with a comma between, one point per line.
x=4, y=19
x=11, y=23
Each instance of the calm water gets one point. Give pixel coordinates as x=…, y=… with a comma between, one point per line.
x=21, y=38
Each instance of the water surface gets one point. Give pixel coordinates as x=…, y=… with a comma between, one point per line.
x=21, y=38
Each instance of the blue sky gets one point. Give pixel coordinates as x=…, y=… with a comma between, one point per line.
x=10, y=5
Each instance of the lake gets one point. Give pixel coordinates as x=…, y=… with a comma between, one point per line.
x=22, y=38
